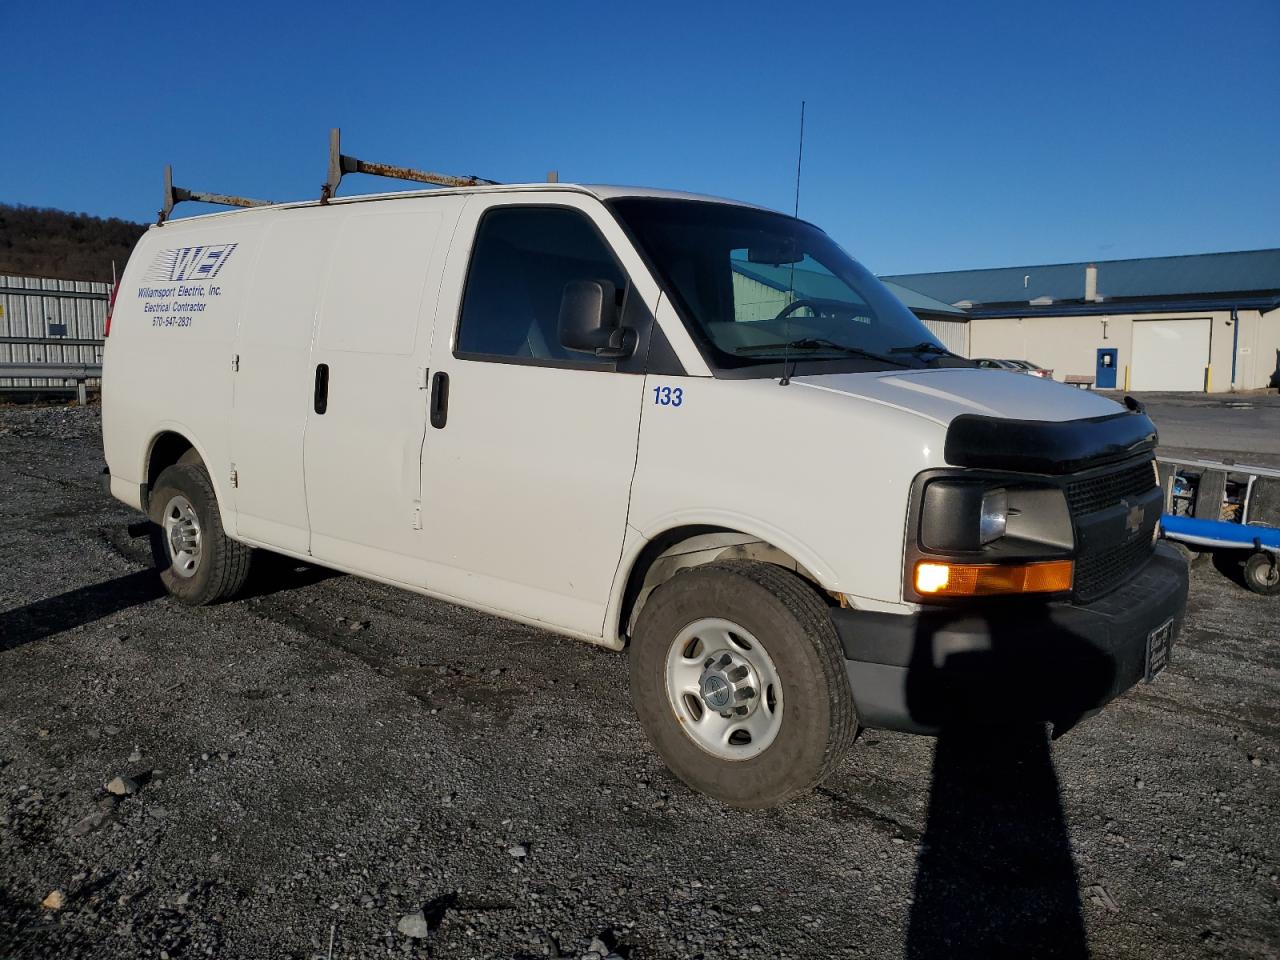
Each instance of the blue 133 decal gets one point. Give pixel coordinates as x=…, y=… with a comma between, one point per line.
x=668, y=396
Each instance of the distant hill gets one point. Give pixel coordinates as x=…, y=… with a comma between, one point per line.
x=39, y=242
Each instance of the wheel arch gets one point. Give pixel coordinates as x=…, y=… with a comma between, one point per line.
x=170, y=446
x=692, y=545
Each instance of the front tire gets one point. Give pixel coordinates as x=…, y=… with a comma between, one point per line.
x=738, y=678
x=198, y=563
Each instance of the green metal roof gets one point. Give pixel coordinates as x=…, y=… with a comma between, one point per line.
x=915, y=300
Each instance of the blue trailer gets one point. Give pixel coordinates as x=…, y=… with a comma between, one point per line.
x=1214, y=505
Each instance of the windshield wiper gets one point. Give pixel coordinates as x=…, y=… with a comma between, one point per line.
x=817, y=343
x=924, y=346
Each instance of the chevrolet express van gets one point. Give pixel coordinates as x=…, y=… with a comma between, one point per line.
x=691, y=428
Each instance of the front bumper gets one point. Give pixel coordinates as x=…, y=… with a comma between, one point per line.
x=1010, y=660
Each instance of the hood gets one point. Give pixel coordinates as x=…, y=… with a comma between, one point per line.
x=942, y=395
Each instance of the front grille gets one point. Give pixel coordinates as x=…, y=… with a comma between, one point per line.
x=1098, y=493
x=1098, y=572
x=1104, y=566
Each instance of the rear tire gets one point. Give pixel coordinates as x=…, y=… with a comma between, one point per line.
x=1262, y=574
x=787, y=717
x=198, y=563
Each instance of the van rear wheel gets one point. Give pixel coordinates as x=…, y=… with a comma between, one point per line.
x=199, y=564
x=739, y=681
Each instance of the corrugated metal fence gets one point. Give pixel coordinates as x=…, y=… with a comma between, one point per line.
x=50, y=321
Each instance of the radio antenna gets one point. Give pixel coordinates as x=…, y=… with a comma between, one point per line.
x=786, y=350
x=799, y=158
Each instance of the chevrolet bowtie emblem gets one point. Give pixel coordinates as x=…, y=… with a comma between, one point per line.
x=1133, y=521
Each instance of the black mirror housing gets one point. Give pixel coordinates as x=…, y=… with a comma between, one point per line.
x=777, y=253
x=590, y=321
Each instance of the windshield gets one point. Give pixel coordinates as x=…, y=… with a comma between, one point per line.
x=757, y=288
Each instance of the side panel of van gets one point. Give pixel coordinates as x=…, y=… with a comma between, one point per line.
x=167, y=362
x=732, y=455
x=363, y=445
x=526, y=481
x=273, y=385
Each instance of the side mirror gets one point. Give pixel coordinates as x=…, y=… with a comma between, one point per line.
x=590, y=322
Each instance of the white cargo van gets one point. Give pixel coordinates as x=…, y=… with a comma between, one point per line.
x=688, y=427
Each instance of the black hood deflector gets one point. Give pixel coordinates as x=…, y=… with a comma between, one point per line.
x=1047, y=446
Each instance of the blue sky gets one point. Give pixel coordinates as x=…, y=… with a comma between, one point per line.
x=939, y=135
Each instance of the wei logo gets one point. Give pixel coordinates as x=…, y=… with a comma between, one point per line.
x=190, y=263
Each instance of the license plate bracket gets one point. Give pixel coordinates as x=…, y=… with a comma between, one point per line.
x=1159, y=644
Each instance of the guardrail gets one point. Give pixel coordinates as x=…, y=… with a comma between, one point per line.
x=81, y=373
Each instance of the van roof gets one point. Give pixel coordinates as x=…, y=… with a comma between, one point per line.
x=599, y=191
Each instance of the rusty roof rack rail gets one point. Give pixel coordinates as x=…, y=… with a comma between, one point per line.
x=175, y=195
x=340, y=164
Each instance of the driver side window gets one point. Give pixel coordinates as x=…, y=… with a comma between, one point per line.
x=522, y=261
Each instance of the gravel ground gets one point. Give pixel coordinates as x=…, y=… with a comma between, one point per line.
x=335, y=768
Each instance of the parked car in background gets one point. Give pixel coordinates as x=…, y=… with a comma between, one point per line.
x=1034, y=369
x=988, y=364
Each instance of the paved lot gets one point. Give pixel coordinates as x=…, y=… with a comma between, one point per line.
x=1240, y=427
x=315, y=762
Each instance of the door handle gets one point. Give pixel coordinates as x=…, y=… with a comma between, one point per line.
x=321, y=400
x=439, y=405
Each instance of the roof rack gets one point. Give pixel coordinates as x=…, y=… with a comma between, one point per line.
x=175, y=195
x=340, y=164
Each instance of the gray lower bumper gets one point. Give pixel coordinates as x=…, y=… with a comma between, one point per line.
x=1008, y=660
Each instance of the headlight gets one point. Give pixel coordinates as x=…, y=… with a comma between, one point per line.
x=978, y=516
x=962, y=515
x=994, y=515
x=983, y=533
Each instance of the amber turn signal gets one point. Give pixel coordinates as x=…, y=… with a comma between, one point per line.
x=980, y=579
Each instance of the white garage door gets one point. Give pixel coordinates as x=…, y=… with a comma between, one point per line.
x=1169, y=354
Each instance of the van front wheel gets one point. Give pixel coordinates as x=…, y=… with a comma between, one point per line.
x=739, y=681
x=198, y=562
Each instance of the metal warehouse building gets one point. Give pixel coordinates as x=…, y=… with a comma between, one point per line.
x=49, y=322
x=1209, y=322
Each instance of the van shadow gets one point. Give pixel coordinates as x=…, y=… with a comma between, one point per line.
x=275, y=573
x=995, y=875
x=53, y=615
x=269, y=573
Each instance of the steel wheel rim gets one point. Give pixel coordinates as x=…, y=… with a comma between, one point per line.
x=724, y=689
x=1267, y=575
x=181, y=527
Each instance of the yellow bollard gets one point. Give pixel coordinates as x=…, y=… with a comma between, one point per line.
x=1208, y=379
x=1126, y=378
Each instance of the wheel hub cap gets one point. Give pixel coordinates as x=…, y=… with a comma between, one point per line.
x=728, y=685
x=724, y=689
x=181, y=527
